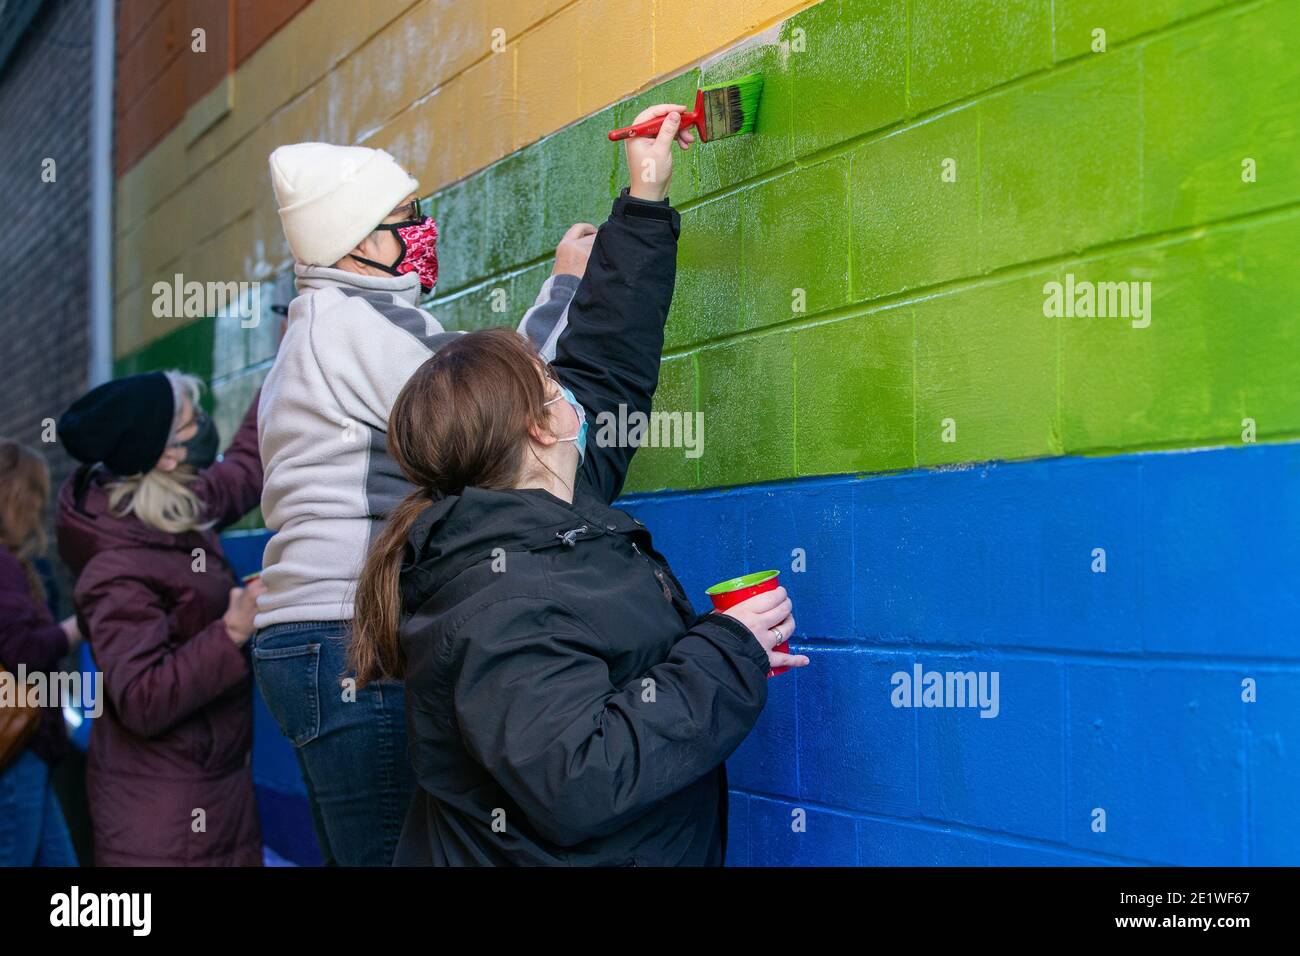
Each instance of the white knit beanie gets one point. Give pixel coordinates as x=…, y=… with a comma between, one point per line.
x=332, y=197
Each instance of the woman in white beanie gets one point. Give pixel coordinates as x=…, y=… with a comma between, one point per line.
x=363, y=250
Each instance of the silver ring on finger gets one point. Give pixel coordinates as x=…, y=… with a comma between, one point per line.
x=779, y=636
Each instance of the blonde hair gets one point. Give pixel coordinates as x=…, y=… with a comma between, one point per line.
x=163, y=500
x=24, y=488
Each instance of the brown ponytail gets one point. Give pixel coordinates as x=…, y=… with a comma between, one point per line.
x=462, y=420
x=375, y=651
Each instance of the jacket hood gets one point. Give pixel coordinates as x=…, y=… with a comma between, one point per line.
x=458, y=531
x=87, y=526
x=405, y=287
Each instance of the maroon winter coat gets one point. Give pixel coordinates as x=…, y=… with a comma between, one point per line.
x=177, y=729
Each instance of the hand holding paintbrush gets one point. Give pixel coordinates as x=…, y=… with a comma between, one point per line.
x=727, y=109
x=650, y=161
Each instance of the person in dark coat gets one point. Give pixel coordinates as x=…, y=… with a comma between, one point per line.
x=168, y=774
x=32, y=828
x=566, y=705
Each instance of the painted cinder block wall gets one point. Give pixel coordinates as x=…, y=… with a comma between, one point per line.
x=923, y=304
x=1120, y=691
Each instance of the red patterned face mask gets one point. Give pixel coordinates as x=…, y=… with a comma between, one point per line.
x=418, y=238
x=419, y=251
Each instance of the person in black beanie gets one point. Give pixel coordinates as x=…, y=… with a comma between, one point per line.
x=124, y=423
x=166, y=620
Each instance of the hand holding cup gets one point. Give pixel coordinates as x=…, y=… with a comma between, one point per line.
x=758, y=602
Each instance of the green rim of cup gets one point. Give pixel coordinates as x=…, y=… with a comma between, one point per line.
x=744, y=581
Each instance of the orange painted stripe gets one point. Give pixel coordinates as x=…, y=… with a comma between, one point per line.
x=159, y=77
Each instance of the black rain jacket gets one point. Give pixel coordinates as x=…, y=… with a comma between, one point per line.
x=565, y=703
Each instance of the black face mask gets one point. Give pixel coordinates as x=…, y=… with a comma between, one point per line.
x=201, y=450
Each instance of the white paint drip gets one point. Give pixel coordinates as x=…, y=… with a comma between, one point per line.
x=769, y=37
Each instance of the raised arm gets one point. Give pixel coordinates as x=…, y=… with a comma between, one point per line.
x=233, y=486
x=609, y=352
x=549, y=317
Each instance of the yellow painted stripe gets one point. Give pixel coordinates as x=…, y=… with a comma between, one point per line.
x=447, y=86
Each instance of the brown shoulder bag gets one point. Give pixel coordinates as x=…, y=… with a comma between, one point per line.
x=17, y=725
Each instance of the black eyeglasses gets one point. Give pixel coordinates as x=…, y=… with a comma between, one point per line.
x=411, y=213
x=197, y=418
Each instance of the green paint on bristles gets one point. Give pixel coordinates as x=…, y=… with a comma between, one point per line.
x=740, y=105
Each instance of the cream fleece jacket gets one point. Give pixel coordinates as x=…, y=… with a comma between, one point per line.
x=351, y=343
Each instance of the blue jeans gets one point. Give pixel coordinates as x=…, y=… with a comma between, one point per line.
x=32, y=831
x=352, y=752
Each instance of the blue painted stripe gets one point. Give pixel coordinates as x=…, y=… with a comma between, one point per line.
x=244, y=549
x=1000, y=554
x=1119, y=692
x=287, y=831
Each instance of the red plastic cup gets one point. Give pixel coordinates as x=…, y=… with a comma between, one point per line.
x=250, y=578
x=729, y=593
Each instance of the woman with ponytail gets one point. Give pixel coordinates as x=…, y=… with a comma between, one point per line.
x=565, y=703
x=32, y=829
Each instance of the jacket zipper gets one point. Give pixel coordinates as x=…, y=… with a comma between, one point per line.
x=663, y=583
x=570, y=539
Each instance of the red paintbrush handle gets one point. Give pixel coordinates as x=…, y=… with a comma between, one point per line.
x=650, y=127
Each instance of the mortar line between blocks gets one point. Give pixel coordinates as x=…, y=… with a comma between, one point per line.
x=941, y=825
x=1007, y=273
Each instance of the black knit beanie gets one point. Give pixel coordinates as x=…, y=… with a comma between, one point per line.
x=124, y=423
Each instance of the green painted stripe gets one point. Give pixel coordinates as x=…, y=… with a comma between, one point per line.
x=840, y=298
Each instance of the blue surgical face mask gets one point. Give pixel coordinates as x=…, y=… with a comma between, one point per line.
x=580, y=439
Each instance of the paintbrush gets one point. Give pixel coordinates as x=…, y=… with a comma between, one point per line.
x=720, y=111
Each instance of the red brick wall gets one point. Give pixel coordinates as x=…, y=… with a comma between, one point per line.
x=44, y=325
x=158, y=74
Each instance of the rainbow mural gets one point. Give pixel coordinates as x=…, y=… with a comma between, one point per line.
x=991, y=333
